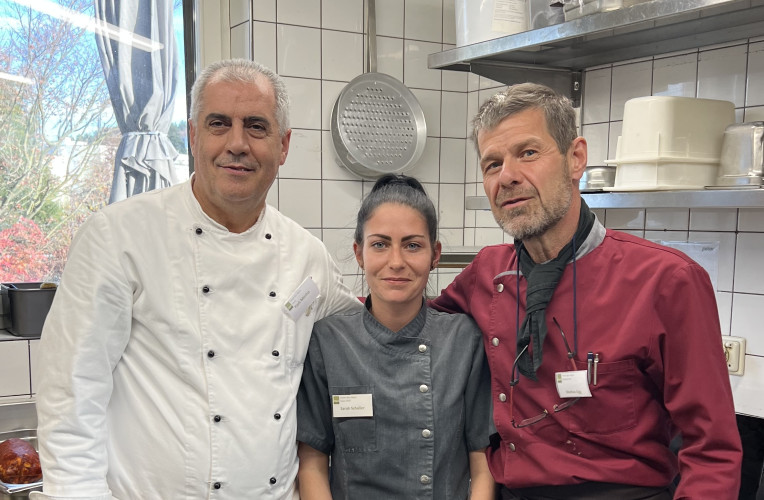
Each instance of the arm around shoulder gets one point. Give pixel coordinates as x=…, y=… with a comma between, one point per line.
x=313, y=474
x=482, y=484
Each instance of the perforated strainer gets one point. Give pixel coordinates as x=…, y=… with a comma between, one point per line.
x=378, y=126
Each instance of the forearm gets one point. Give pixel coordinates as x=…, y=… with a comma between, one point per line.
x=313, y=474
x=482, y=484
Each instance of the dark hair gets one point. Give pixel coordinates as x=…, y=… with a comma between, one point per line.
x=403, y=190
x=558, y=111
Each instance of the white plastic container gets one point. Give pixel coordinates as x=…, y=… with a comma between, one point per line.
x=670, y=143
x=481, y=20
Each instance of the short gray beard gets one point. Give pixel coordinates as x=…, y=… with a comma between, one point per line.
x=549, y=215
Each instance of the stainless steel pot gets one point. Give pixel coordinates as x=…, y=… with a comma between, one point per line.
x=377, y=125
x=597, y=178
x=742, y=158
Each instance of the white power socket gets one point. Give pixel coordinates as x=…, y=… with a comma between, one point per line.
x=734, y=352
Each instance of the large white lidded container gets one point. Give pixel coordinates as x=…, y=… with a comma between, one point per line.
x=481, y=20
x=670, y=143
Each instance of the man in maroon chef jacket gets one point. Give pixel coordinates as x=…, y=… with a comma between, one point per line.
x=602, y=346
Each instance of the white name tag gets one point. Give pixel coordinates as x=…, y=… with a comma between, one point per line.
x=572, y=384
x=351, y=405
x=302, y=299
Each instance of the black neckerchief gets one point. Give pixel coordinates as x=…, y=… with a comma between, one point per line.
x=542, y=280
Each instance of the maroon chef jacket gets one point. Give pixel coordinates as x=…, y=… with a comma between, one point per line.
x=650, y=313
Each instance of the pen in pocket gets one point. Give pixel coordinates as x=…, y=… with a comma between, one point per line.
x=596, y=362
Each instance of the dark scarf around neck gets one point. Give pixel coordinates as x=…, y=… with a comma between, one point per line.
x=542, y=280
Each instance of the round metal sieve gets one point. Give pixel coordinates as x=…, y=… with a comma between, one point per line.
x=377, y=124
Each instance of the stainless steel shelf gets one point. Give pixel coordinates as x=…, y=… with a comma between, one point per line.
x=555, y=55
x=708, y=198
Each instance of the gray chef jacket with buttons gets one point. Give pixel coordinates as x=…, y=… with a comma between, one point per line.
x=430, y=390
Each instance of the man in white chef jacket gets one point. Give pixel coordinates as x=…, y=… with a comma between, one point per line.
x=171, y=356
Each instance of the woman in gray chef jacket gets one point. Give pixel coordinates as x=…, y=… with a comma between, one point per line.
x=396, y=394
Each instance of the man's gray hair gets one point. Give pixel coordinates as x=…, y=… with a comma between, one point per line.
x=558, y=111
x=241, y=71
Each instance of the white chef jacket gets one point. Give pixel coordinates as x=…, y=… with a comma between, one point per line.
x=168, y=367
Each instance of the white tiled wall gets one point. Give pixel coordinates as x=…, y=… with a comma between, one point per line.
x=733, y=72
x=318, y=46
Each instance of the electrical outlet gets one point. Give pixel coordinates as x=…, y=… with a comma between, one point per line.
x=734, y=352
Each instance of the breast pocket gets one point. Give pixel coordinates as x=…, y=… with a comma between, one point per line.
x=298, y=335
x=354, y=434
x=612, y=407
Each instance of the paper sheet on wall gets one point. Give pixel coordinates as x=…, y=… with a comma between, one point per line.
x=705, y=253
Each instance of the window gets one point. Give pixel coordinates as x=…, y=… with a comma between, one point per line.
x=59, y=133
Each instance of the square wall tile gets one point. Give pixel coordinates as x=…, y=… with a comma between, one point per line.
x=625, y=218
x=341, y=201
x=488, y=236
x=339, y=242
x=331, y=168
x=629, y=81
x=299, y=51
x=390, y=57
x=452, y=160
x=445, y=278
x=427, y=168
x=305, y=96
x=34, y=348
x=451, y=237
x=264, y=44
x=419, y=18
x=14, y=368
x=300, y=200
x=330, y=92
x=449, y=22
x=751, y=219
x=344, y=15
x=755, y=114
x=724, y=305
x=721, y=74
x=596, y=139
x=667, y=218
x=676, y=76
x=341, y=55
x=596, y=99
x=429, y=100
x=263, y=10
x=453, y=114
x=746, y=321
x=755, y=75
x=455, y=81
x=713, y=219
x=272, y=198
x=451, y=205
x=240, y=42
x=304, y=158
x=612, y=143
x=299, y=12
x=749, y=273
x=416, y=74
x=238, y=11
x=666, y=236
x=725, y=257
x=390, y=18
x=485, y=218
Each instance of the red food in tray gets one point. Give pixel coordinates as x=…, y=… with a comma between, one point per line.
x=19, y=462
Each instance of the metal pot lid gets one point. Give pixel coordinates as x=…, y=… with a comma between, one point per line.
x=378, y=126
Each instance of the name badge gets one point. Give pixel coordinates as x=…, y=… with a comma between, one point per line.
x=302, y=299
x=351, y=405
x=572, y=384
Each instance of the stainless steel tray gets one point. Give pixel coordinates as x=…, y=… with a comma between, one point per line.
x=18, y=491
